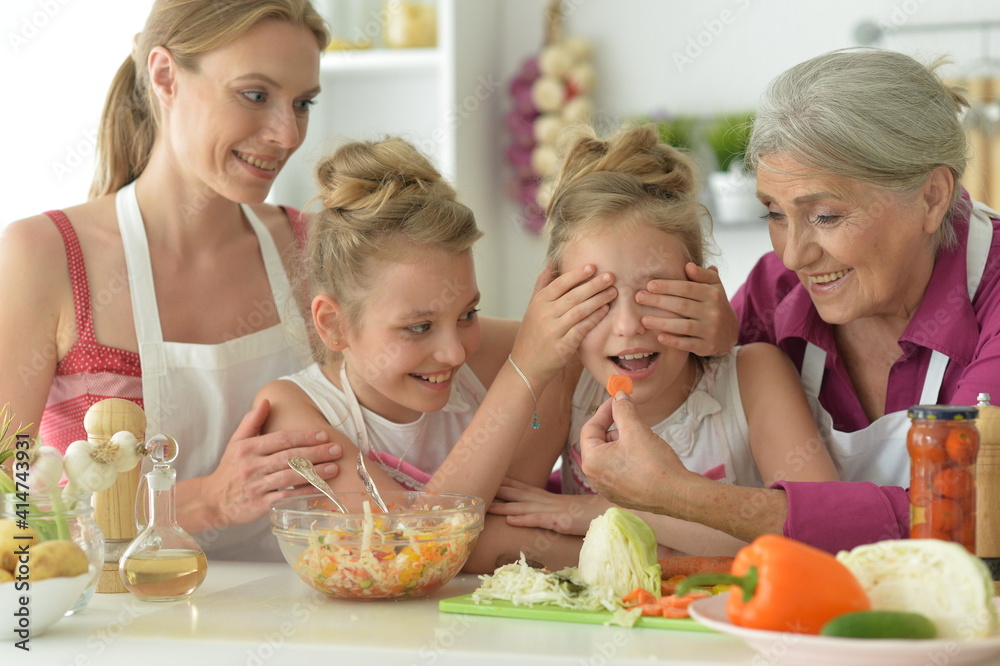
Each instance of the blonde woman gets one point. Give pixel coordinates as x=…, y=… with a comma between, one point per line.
x=170, y=286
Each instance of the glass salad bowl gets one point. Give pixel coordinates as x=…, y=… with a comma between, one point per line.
x=411, y=551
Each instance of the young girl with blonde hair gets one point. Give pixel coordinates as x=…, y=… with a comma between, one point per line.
x=627, y=206
x=407, y=372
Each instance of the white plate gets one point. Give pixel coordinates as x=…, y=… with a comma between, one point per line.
x=810, y=650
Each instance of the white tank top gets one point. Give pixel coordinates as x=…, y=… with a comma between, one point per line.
x=408, y=452
x=709, y=431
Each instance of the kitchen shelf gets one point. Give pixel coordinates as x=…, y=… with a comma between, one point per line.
x=384, y=60
x=445, y=100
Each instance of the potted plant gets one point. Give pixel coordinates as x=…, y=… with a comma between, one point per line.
x=677, y=130
x=732, y=189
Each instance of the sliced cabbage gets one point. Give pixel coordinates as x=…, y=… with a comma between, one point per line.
x=619, y=552
x=935, y=578
x=523, y=585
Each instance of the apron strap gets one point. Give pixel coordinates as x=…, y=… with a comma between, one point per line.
x=934, y=378
x=281, y=289
x=813, y=367
x=977, y=252
x=352, y=403
x=980, y=240
x=140, y=270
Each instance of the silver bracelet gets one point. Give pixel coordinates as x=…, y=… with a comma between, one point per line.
x=535, y=423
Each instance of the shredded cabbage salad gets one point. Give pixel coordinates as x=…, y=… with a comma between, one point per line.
x=524, y=585
x=384, y=560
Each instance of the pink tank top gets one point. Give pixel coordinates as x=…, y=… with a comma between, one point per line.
x=90, y=371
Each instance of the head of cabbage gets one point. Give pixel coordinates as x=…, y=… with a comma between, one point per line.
x=619, y=551
x=938, y=579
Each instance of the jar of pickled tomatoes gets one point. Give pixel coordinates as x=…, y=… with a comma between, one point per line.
x=943, y=443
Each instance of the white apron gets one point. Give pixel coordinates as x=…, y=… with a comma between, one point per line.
x=199, y=393
x=874, y=453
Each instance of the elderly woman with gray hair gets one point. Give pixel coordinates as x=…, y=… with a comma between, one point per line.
x=881, y=289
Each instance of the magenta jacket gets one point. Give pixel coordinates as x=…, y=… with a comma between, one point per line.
x=774, y=307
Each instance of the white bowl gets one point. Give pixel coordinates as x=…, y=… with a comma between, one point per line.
x=47, y=601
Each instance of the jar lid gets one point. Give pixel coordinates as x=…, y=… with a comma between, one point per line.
x=943, y=413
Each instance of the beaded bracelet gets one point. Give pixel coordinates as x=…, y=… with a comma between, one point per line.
x=535, y=423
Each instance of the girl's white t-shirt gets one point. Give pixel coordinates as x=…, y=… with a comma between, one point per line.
x=409, y=452
x=709, y=431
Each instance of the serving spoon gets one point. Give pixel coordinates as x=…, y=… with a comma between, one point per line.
x=308, y=472
x=369, y=484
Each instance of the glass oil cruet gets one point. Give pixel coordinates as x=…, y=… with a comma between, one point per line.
x=163, y=563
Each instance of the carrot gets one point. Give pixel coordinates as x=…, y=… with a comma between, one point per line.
x=673, y=601
x=691, y=565
x=619, y=383
x=639, y=597
x=651, y=610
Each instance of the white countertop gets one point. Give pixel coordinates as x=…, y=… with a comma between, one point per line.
x=255, y=614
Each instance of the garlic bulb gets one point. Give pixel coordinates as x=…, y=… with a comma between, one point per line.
x=45, y=469
x=130, y=450
x=579, y=109
x=582, y=77
x=90, y=467
x=547, y=127
x=548, y=93
x=544, y=160
x=555, y=60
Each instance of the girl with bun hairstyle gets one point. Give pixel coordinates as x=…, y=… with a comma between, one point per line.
x=406, y=371
x=627, y=206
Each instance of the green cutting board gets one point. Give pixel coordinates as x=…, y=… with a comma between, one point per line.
x=499, y=608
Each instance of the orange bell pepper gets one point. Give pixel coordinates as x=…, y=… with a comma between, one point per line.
x=780, y=584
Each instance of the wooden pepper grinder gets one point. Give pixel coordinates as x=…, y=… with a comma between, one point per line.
x=114, y=508
x=988, y=487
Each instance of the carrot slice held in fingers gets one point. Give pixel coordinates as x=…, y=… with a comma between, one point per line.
x=619, y=383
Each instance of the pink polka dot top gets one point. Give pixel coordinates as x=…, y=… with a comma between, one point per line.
x=90, y=371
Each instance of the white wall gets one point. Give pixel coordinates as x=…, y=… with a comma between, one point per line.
x=58, y=57
x=709, y=56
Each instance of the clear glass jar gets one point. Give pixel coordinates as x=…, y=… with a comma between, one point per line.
x=943, y=443
x=163, y=563
x=55, y=518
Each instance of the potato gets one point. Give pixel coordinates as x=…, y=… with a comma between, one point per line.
x=51, y=559
x=6, y=577
x=9, y=545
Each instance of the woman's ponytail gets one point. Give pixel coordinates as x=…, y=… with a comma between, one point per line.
x=125, y=134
